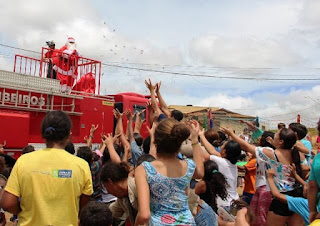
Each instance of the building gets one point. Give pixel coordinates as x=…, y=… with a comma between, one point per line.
x=220, y=117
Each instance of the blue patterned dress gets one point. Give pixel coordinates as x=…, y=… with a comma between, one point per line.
x=168, y=199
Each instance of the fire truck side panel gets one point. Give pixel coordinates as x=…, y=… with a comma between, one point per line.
x=96, y=111
x=14, y=128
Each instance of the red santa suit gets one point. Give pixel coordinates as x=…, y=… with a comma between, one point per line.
x=66, y=65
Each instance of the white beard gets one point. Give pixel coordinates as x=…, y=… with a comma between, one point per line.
x=71, y=46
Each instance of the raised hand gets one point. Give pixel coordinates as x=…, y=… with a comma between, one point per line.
x=194, y=129
x=227, y=131
x=117, y=113
x=128, y=114
x=149, y=85
x=201, y=132
x=157, y=88
x=153, y=129
x=108, y=139
x=93, y=129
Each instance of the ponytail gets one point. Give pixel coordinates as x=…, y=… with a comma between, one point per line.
x=296, y=160
x=216, y=184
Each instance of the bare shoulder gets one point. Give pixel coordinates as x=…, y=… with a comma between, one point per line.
x=268, y=152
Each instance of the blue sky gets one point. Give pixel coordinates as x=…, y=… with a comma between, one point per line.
x=216, y=38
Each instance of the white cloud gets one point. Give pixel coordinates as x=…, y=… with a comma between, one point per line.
x=242, y=52
x=39, y=21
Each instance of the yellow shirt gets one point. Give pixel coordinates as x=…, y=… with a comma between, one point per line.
x=49, y=183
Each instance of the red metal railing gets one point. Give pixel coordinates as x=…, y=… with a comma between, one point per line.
x=82, y=70
x=26, y=65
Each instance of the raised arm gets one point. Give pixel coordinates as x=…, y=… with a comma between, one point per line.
x=250, y=125
x=163, y=105
x=103, y=144
x=197, y=151
x=153, y=149
x=113, y=154
x=119, y=125
x=126, y=153
x=139, y=122
x=244, y=145
x=91, y=135
x=154, y=103
x=209, y=147
x=150, y=113
x=129, y=125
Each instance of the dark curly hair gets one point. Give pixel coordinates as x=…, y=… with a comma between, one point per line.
x=85, y=153
x=216, y=184
x=95, y=213
x=114, y=172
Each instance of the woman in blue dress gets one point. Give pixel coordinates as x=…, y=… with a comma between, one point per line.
x=163, y=184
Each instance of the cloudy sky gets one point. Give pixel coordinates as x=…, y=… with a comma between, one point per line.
x=208, y=52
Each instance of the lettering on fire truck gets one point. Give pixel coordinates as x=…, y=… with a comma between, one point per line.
x=22, y=99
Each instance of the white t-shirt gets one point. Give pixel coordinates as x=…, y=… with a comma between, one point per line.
x=230, y=171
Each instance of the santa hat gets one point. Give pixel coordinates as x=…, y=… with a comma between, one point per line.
x=70, y=39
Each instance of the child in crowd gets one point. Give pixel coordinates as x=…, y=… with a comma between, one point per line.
x=279, y=159
x=226, y=159
x=249, y=178
x=303, y=145
x=213, y=185
x=262, y=198
x=95, y=214
x=162, y=184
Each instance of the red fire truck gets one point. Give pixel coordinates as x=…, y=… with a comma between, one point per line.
x=26, y=95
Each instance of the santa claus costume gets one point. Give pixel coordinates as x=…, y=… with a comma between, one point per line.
x=66, y=65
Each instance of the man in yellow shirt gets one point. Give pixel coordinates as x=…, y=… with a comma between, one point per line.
x=50, y=183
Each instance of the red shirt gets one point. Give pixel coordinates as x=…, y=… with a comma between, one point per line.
x=50, y=54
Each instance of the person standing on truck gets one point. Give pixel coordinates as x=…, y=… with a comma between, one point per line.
x=48, y=56
x=49, y=186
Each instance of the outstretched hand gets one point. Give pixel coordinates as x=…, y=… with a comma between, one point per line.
x=108, y=139
x=93, y=129
x=157, y=88
x=128, y=114
x=149, y=85
x=194, y=129
x=227, y=131
x=117, y=113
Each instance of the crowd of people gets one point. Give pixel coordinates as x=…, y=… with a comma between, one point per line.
x=181, y=174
